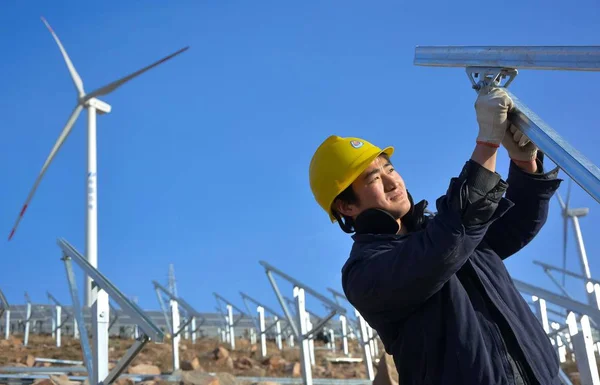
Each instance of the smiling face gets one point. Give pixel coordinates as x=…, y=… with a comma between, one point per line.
x=379, y=186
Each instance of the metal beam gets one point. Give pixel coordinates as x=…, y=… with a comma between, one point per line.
x=183, y=303
x=268, y=309
x=562, y=58
x=505, y=60
x=559, y=300
x=129, y=307
x=567, y=272
x=306, y=288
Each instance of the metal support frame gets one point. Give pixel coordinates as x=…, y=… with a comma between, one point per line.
x=230, y=319
x=277, y=319
x=299, y=326
x=496, y=63
x=5, y=311
x=578, y=326
x=96, y=358
x=592, y=285
x=191, y=314
x=369, y=337
x=581, y=336
x=564, y=302
x=69, y=315
x=27, y=320
x=309, y=326
x=58, y=321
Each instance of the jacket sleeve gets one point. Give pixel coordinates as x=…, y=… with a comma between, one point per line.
x=404, y=272
x=531, y=194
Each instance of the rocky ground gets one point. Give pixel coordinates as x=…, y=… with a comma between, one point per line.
x=208, y=356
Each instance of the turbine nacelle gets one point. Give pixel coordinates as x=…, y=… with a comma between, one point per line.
x=100, y=106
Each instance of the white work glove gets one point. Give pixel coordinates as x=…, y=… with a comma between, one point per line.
x=492, y=107
x=518, y=145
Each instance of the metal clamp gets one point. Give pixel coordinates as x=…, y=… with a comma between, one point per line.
x=480, y=76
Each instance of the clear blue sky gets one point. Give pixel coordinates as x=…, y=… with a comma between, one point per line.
x=203, y=162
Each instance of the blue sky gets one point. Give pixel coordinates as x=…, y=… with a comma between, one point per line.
x=203, y=162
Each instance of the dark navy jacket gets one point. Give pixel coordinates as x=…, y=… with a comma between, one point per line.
x=440, y=297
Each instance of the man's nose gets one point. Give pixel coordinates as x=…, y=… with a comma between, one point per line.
x=389, y=183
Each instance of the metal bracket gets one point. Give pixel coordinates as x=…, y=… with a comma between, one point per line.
x=480, y=76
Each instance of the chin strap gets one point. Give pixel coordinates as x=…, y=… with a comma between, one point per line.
x=378, y=221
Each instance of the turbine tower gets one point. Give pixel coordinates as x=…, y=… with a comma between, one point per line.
x=574, y=215
x=94, y=106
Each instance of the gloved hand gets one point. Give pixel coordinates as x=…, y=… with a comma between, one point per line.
x=518, y=145
x=492, y=107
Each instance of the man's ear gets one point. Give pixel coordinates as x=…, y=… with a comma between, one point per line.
x=345, y=208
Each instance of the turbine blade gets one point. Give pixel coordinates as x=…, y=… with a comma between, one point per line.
x=61, y=139
x=74, y=75
x=117, y=83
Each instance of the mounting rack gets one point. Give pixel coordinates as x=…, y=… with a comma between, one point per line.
x=370, y=348
x=58, y=322
x=492, y=64
x=229, y=317
x=192, y=316
x=5, y=310
x=300, y=327
x=261, y=325
x=96, y=361
x=578, y=321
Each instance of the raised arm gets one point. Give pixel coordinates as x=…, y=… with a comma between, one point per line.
x=530, y=189
x=400, y=272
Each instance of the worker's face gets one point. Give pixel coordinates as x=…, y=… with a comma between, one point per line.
x=379, y=186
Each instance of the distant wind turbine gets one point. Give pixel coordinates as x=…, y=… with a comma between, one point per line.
x=93, y=106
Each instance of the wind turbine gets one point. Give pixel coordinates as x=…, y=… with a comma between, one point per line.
x=94, y=106
x=574, y=215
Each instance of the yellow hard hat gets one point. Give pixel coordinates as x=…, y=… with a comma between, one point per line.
x=336, y=164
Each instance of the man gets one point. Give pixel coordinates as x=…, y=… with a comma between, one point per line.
x=435, y=287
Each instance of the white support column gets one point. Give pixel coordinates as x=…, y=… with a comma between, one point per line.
x=186, y=331
x=227, y=330
x=28, y=316
x=7, y=325
x=193, y=329
x=75, y=329
x=262, y=331
x=366, y=347
x=58, y=325
x=311, y=341
x=584, y=349
x=278, y=330
x=176, y=324
x=305, y=362
x=371, y=340
x=231, y=328
x=291, y=340
x=53, y=320
x=100, y=336
x=542, y=313
x=344, y=321
x=332, y=340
